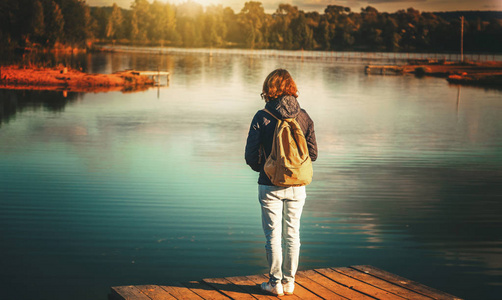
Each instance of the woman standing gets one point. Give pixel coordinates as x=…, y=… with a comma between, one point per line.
x=281, y=206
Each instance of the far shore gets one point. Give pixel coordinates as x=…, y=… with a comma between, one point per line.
x=485, y=74
x=61, y=78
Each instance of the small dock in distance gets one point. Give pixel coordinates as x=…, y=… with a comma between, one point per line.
x=383, y=70
x=356, y=282
x=153, y=74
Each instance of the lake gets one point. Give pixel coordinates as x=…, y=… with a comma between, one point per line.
x=151, y=187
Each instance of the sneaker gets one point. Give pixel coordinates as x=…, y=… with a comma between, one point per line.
x=289, y=287
x=274, y=289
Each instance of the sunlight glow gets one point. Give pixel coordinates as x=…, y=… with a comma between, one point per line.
x=319, y=5
x=206, y=2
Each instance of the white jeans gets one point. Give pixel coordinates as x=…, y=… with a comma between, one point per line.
x=281, y=209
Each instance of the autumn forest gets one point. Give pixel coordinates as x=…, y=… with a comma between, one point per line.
x=56, y=23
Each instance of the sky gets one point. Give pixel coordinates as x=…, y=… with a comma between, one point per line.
x=355, y=5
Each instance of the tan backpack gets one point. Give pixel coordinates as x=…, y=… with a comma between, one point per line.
x=289, y=162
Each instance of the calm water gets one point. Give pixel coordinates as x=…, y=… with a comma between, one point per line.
x=106, y=189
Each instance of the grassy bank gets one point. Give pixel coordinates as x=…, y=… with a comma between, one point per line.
x=15, y=77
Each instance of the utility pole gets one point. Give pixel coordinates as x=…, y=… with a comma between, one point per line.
x=462, y=39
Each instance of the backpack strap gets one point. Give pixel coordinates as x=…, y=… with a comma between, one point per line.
x=267, y=111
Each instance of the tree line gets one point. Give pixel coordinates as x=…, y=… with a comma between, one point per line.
x=48, y=23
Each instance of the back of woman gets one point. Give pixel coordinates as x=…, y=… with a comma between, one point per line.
x=281, y=206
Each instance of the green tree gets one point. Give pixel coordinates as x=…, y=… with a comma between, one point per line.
x=390, y=34
x=335, y=32
x=134, y=28
x=54, y=23
x=100, y=16
x=37, y=22
x=169, y=24
x=323, y=34
x=233, y=35
x=191, y=21
x=493, y=36
x=163, y=22
x=77, y=21
x=283, y=36
x=156, y=30
x=215, y=29
x=9, y=32
x=114, y=28
x=189, y=36
x=141, y=19
x=304, y=35
x=251, y=19
x=370, y=33
x=48, y=22
x=409, y=28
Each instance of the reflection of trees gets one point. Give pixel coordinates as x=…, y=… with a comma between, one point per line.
x=17, y=101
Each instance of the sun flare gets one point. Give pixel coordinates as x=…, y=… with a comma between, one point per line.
x=201, y=2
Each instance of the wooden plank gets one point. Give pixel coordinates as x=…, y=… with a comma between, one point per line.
x=128, y=292
x=315, y=287
x=409, y=284
x=303, y=293
x=299, y=292
x=155, y=292
x=385, y=285
x=250, y=287
x=180, y=291
x=152, y=73
x=358, y=285
x=203, y=290
x=229, y=289
x=335, y=286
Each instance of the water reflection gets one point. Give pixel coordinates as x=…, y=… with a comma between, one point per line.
x=139, y=188
x=13, y=102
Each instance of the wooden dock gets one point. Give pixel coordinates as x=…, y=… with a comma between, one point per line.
x=356, y=282
x=153, y=74
x=384, y=70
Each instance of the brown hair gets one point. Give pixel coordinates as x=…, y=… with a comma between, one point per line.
x=278, y=83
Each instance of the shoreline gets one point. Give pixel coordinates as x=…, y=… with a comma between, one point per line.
x=350, y=55
x=482, y=74
x=15, y=77
x=487, y=74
